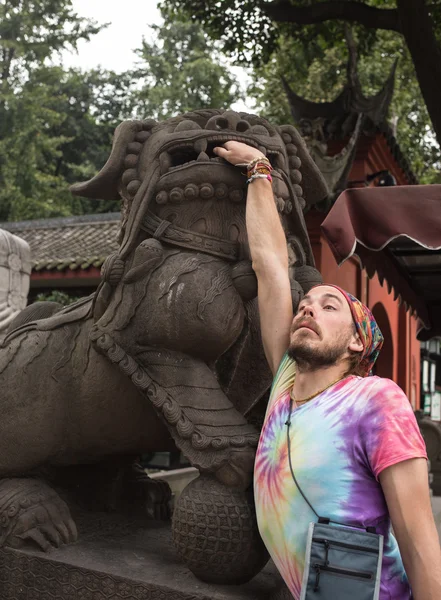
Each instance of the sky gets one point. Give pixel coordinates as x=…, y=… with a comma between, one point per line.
x=113, y=47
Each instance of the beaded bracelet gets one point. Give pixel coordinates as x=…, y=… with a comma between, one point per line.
x=259, y=176
x=259, y=168
x=256, y=160
x=261, y=161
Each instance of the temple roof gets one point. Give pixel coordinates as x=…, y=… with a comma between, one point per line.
x=351, y=100
x=322, y=123
x=68, y=242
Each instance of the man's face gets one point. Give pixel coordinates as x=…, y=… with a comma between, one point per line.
x=322, y=332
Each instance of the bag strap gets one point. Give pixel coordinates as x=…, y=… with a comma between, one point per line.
x=288, y=424
x=324, y=520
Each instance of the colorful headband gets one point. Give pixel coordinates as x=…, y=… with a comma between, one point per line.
x=367, y=328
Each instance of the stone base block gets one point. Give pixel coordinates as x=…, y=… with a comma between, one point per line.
x=116, y=559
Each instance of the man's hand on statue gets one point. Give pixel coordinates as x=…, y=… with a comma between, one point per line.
x=237, y=153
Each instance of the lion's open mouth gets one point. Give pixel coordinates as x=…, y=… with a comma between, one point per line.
x=184, y=153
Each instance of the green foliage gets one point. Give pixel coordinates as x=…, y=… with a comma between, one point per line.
x=91, y=105
x=320, y=78
x=56, y=296
x=181, y=70
x=32, y=120
x=30, y=32
x=56, y=125
x=55, y=130
x=25, y=147
x=313, y=59
x=247, y=34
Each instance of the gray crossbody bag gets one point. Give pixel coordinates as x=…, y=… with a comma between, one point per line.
x=341, y=562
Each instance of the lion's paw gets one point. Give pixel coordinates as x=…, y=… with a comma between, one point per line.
x=32, y=512
x=237, y=472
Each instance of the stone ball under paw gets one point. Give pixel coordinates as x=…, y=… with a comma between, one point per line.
x=215, y=532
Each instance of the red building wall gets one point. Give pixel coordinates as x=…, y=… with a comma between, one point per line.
x=400, y=357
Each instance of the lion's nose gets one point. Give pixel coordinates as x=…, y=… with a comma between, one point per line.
x=228, y=121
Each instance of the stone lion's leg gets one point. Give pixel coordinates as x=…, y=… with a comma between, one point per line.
x=31, y=512
x=213, y=435
x=118, y=484
x=205, y=425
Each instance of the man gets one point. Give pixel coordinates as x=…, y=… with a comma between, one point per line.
x=355, y=446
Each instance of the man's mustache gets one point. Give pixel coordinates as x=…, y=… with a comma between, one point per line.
x=306, y=322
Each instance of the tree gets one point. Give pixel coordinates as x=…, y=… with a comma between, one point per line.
x=27, y=187
x=321, y=75
x=251, y=31
x=57, y=130
x=181, y=70
x=56, y=125
x=92, y=104
x=31, y=33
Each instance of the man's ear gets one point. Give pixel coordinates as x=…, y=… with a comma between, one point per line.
x=355, y=344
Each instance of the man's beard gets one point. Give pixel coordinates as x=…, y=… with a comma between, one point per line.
x=309, y=358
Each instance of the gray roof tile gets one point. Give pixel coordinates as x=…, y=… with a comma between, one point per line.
x=69, y=242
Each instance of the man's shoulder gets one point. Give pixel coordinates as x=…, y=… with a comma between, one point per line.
x=381, y=393
x=383, y=385
x=376, y=384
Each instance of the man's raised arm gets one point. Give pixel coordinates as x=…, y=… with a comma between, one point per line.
x=269, y=254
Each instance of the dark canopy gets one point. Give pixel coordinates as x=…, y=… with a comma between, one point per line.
x=396, y=233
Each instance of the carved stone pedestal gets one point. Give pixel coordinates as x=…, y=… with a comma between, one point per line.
x=116, y=559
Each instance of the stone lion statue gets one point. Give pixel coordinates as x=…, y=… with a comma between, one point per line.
x=167, y=352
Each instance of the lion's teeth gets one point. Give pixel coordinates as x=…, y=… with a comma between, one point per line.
x=200, y=145
x=165, y=162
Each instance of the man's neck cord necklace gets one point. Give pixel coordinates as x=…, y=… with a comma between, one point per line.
x=315, y=393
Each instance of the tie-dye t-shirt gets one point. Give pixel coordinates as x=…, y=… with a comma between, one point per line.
x=340, y=442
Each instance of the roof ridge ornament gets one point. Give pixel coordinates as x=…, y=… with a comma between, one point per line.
x=351, y=100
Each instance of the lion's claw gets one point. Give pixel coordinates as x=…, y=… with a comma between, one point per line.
x=32, y=512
